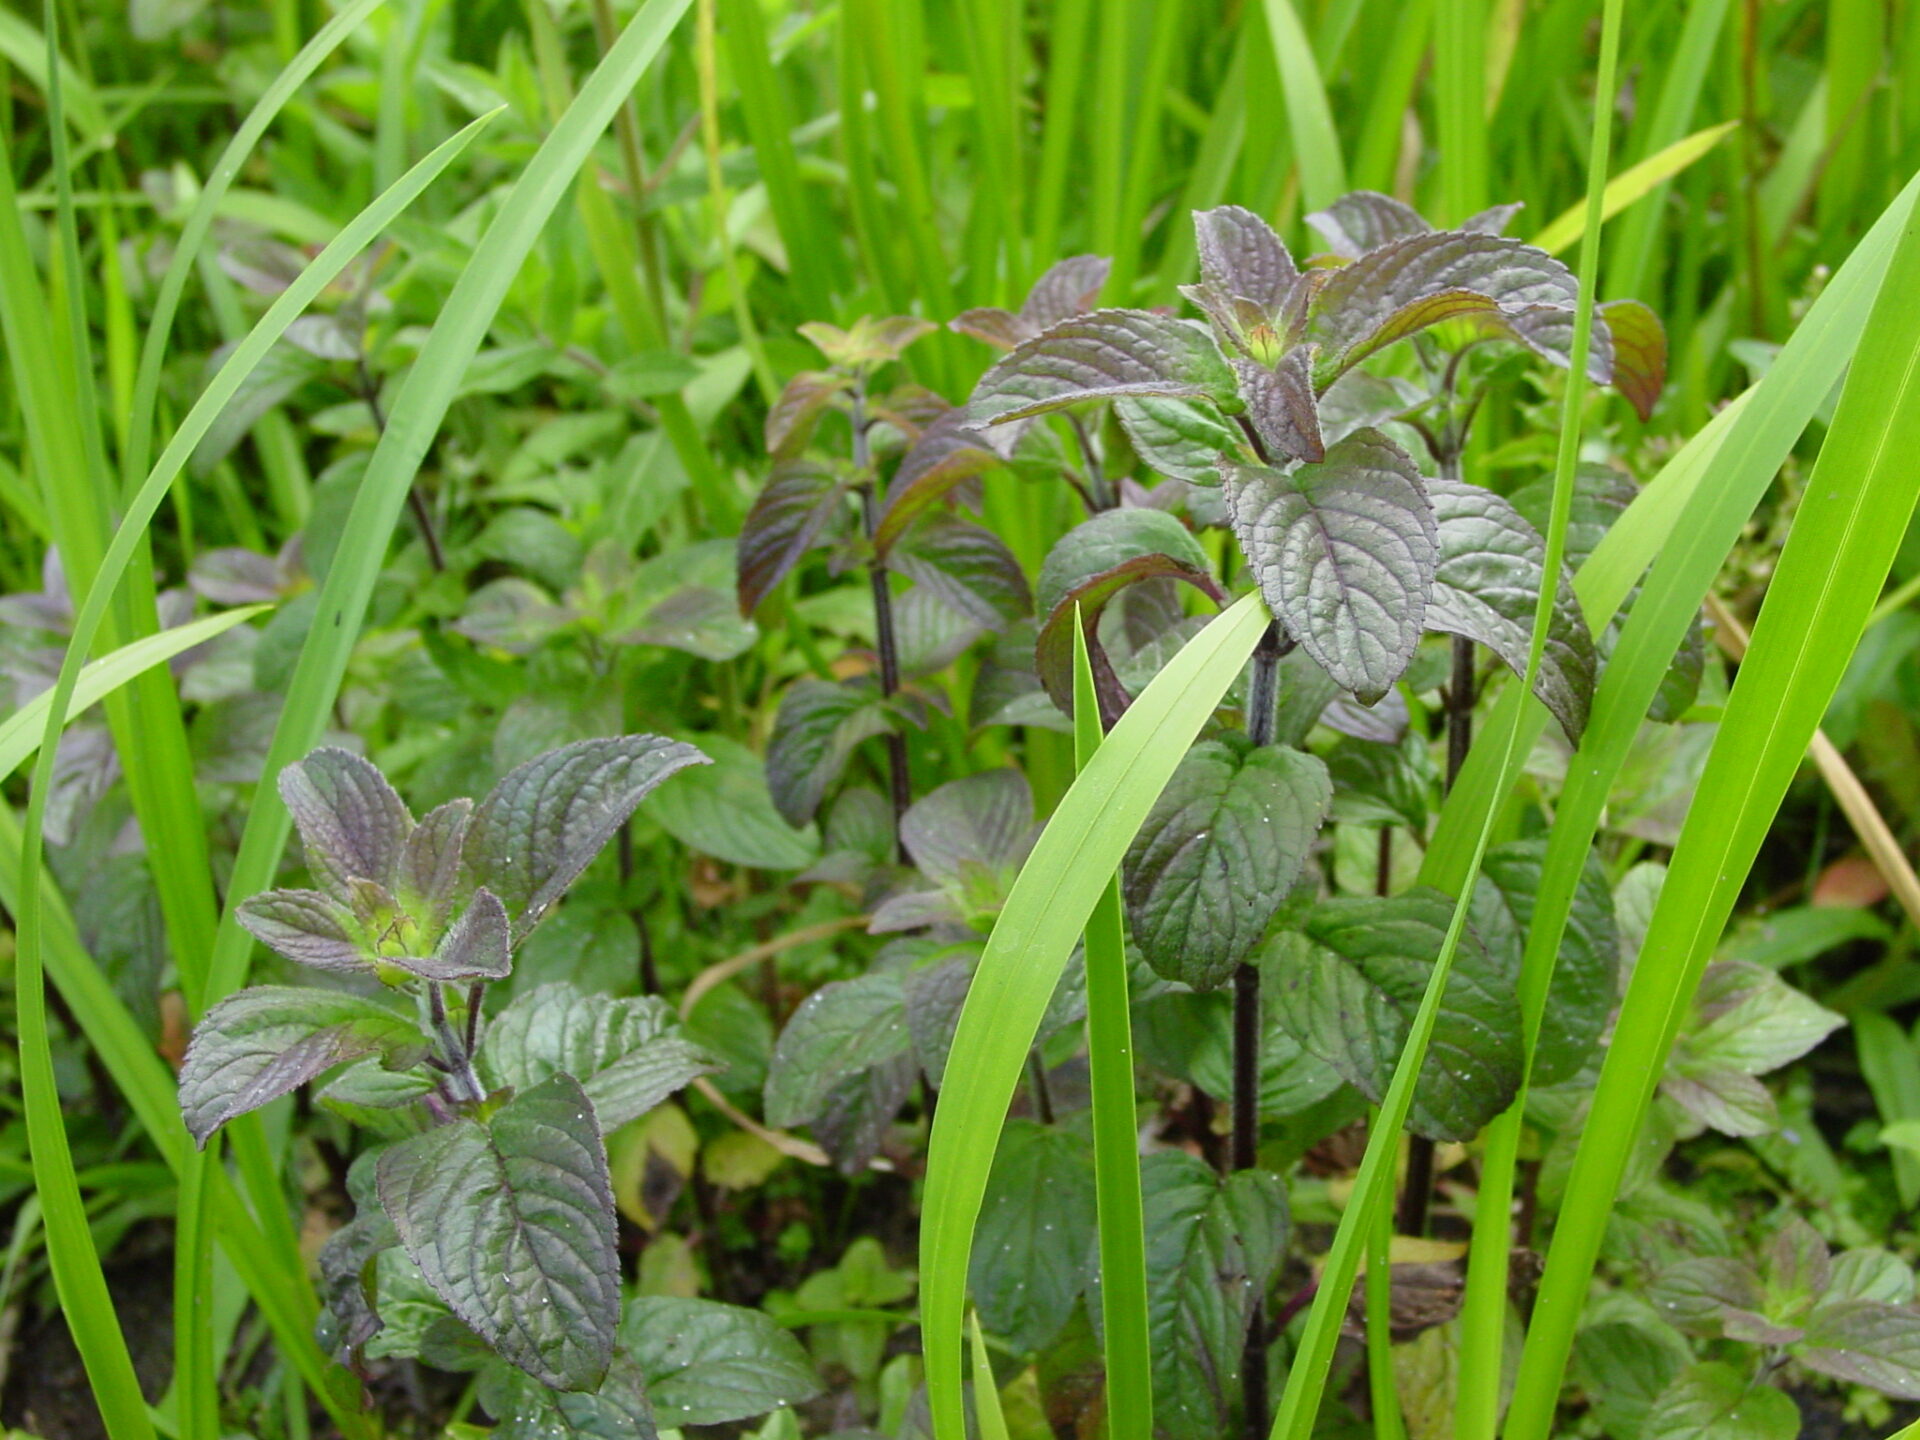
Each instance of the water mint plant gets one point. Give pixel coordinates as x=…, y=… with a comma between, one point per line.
x=485, y=1230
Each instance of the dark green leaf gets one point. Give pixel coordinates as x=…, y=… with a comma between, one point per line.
x=972, y=830
x=710, y=1364
x=814, y=735
x=841, y=1029
x=627, y=1054
x=1344, y=553
x=802, y=506
x=1218, y=854
x=1212, y=1248
x=1097, y=546
x=1623, y=1368
x=527, y=1410
x=1377, y=783
x=1104, y=355
x=1035, y=1238
x=1280, y=405
x=854, y=1119
x=1489, y=574
x=511, y=1221
x=1352, y=984
x=269, y=1040
x=544, y=823
x=308, y=928
x=791, y=418
x=429, y=880
x=1180, y=438
x=1585, y=977
x=947, y=455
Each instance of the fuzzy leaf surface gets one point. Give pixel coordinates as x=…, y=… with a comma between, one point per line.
x=511, y=1220
x=843, y=1028
x=1241, y=255
x=1181, y=438
x=543, y=824
x=1491, y=568
x=1344, y=553
x=1103, y=355
x=968, y=567
x=269, y=1040
x=627, y=1054
x=1036, y=1234
x=352, y=824
x=814, y=735
x=1212, y=1246
x=1586, y=976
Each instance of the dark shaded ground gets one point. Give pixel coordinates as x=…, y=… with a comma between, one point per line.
x=47, y=1392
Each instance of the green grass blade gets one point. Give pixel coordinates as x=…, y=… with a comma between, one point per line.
x=1856, y=508
x=1116, y=1123
x=812, y=245
x=1460, y=96
x=1210, y=172
x=986, y=1395
x=1316, y=144
x=1051, y=901
x=1112, y=104
x=21, y=732
x=1056, y=188
x=1147, y=96
x=1388, y=1422
x=1392, y=92
x=1627, y=267
x=1633, y=184
x=1299, y=1407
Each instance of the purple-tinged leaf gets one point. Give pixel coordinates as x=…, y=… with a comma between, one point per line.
x=1493, y=220
x=1217, y=855
x=511, y=1221
x=852, y=1123
x=1384, y=722
x=1280, y=405
x=478, y=947
x=981, y=823
x=1106, y=354
x=352, y=824
x=1239, y=324
x=792, y=418
x=1091, y=564
x=628, y=1054
x=948, y=454
x=1485, y=588
x=1407, y=284
x=1240, y=255
x=1344, y=554
x=999, y=328
x=233, y=576
x=546, y=820
x=800, y=508
x=1183, y=439
x=1366, y=220
x=309, y=928
x=1547, y=330
x=929, y=633
x=269, y=1040
x=1069, y=287
x=1639, y=353
x=969, y=568
x=814, y=735
x=430, y=876
x=1697, y=1294
x=1865, y=1342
